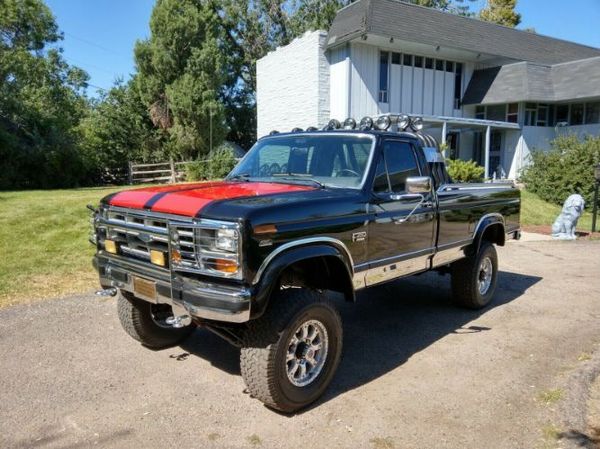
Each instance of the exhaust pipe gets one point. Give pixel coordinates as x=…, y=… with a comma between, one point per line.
x=107, y=292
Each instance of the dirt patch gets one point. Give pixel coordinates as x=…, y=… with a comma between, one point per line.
x=547, y=230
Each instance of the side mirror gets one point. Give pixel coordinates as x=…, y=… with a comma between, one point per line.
x=418, y=184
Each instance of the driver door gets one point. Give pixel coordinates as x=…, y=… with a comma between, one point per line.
x=401, y=232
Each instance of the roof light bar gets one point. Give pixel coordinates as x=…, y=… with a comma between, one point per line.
x=365, y=123
x=349, y=123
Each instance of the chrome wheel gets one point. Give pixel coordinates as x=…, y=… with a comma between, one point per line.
x=486, y=270
x=307, y=353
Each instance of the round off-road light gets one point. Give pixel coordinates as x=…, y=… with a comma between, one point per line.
x=366, y=123
x=349, y=123
x=272, y=133
x=416, y=123
x=311, y=129
x=383, y=122
x=332, y=124
x=403, y=122
x=297, y=130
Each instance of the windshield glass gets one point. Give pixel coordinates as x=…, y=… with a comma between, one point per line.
x=329, y=160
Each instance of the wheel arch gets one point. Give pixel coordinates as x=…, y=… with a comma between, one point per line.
x=490, y=228
x=318, y=265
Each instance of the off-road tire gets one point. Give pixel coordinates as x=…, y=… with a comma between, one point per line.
x=137, y=320
x=466, y=274
x=266, y=343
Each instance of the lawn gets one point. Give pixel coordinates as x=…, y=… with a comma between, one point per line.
x=45, y=252
x=43, y=243
x=535, y=211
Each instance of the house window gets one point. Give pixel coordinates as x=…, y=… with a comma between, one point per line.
x=542, y=115
x=383, y=76
x=439, y=64
x=512, y=113
x=562, y=113
x=592, y=113
x=480, y=112
x=408, y=59
x=395, y=58
x=457, y=85
x=429, y=63
x=530, y=114
x=496, y=112
x=577, y=114
x=449, y=66
x=418, y=61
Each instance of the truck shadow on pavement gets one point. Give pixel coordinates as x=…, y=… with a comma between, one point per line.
x=384, y=328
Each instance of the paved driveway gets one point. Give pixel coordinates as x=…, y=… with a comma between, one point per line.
x=416, y=372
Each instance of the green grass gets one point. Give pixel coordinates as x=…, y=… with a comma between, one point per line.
x=44, y=252
x=551, y=396
x=43, y=243
x=535, y=211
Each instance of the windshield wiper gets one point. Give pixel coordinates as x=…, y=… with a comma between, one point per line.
x=304, y=176
x=241, y=176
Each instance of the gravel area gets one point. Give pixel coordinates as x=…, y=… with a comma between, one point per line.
x=416, y=371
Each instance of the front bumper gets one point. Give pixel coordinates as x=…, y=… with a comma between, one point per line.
x=200, y=300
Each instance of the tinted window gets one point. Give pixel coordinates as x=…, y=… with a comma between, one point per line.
x=397, y=164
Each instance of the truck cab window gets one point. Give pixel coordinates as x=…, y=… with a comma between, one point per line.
x=396, y=164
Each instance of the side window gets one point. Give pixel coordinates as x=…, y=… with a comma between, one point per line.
x=397, y=164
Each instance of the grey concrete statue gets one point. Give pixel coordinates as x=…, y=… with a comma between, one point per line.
x=564, y=225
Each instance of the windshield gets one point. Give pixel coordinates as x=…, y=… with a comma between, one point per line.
x=328, y=160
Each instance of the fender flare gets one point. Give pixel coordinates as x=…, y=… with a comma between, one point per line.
x=275, y=266
x=485, y=222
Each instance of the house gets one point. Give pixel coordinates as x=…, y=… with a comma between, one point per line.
x=492, y=93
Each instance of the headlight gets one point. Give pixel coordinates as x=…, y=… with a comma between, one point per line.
x=227, y=240
x=208, y=247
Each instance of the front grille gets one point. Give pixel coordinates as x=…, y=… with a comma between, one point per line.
x=136, y=233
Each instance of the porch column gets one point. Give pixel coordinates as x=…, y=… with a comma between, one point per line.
x=488, y=135
x=444, y=132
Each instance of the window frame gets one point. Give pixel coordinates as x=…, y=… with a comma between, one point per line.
x=383, y=94
x=381, y=157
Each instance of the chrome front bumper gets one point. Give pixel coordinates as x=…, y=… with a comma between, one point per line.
x=201, y=300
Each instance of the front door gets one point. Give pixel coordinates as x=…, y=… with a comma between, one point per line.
x=401, y=232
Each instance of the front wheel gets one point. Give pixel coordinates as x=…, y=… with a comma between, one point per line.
x=474, y=278
x=290, y=354
x=147, y=322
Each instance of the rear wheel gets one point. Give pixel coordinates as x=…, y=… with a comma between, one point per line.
x=290, y=354
x=147, y=322
x=474, y=278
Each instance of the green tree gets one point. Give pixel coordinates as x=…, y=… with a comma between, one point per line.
x=117, y=130
x=501, y=12
x=181, y=72
x=459, y=7
x=41, y=101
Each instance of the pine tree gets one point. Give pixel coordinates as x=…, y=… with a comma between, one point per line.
x=501, y=12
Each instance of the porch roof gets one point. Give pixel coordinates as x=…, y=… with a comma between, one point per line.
x=469, y=122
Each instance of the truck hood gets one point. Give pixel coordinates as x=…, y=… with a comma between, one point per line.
x=190, y=199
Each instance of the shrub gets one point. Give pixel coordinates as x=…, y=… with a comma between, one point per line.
x=464, y=171
x=217, y=166
x=567, y=168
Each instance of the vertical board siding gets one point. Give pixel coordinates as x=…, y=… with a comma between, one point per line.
x=338, y=78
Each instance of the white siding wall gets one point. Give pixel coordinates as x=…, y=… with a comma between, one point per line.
x=293, y=85
x=339, y=79
x=364, y=80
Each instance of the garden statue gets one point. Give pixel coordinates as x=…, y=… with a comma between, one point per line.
x=564, y=225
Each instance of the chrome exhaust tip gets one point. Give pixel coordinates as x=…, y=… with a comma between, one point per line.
x=107, y=292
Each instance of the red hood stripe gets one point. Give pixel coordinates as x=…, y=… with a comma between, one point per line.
x=190, y=199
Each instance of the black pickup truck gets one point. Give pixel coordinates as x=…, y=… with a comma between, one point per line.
x=250, y=257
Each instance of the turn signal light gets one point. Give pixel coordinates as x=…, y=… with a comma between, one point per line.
x=110, y=246
x=157, y=258
x=265, y=229
x=226, y=266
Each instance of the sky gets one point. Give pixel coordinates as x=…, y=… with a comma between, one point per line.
x=99, y=35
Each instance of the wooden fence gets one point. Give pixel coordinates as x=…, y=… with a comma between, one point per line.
x=170, y=172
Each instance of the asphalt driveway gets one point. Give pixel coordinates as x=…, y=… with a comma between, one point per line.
x=416, y=372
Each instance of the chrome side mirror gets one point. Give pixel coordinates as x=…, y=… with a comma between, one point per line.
x=418, y=184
